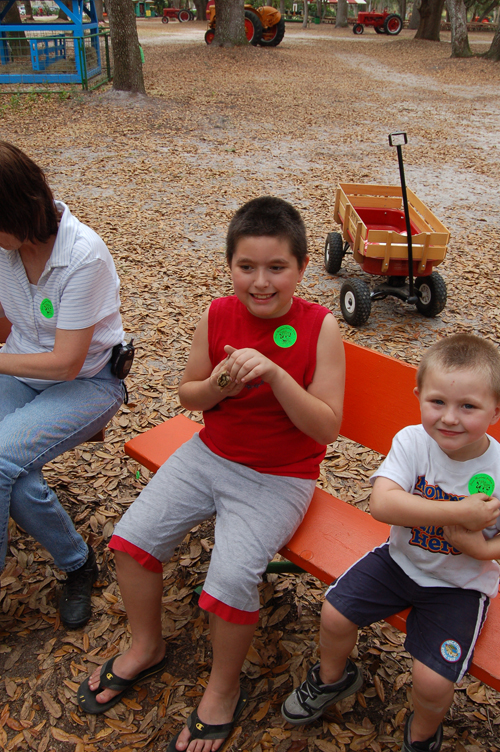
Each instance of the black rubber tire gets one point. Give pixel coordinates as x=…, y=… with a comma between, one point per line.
x=355, y=302
x=257, y=27
x=358, y=28
x=379, y=30
x=183, y=16
x=164, y=19
x=278, y=34
x=434, y=295
x=393, y=24
x=334, y=252
x=209, y=36
x=191, y=15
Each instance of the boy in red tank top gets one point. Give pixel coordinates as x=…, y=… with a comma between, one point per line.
x=267, y=370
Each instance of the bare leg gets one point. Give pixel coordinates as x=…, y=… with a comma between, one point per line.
x=230, y=644
x=432, y=697
x=141, y=592
x=337, y=638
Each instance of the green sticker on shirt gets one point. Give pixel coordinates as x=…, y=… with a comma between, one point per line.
x=46, y=308
x=285, y=336
x=481, y=483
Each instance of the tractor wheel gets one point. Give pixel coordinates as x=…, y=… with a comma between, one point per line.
x=393, y=24
x=358, y=28
x=209, y=36
x=379, y=30
x=164, y=19
x=272, y=36
x=433, y=299
x=183, y=16
x=355, y=302
x=191, y=15
x=334, y=252
x=253, y=28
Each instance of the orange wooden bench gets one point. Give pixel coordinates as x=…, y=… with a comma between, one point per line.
x=333, y=535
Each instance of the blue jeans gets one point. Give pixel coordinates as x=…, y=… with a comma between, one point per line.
x=35, y=427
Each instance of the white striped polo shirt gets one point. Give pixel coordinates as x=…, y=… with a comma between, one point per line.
x=78, y=288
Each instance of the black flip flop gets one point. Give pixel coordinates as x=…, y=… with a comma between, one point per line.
x=200, y=730
x=87, y=698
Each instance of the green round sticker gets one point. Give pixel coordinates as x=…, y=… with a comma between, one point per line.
x=285, y=336
x=481, y=483
x=46, y=308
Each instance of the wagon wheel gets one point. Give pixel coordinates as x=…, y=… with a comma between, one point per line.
x=379, y=29
x=253, y=28
x=433, y=294
x=272, y=36
x=164, y=19
x=393, y=24
x=355, y=302
x=183, y=16
x=358, y=28
x=334, y=252
x=209, y=36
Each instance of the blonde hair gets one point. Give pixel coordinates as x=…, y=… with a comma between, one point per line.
x=460, y=352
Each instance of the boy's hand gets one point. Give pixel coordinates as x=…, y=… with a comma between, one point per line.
x=232, y=388
x=478, y=511
x=247, y=364
x=472, y=544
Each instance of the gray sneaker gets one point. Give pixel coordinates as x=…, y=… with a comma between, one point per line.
x=307, y=702
x=430, y=745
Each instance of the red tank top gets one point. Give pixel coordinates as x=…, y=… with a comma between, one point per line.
x=252, y=428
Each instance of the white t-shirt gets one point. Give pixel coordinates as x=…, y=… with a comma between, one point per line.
x=79, y=287
x=420, y=467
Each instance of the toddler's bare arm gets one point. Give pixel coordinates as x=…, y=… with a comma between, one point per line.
x=473, y=543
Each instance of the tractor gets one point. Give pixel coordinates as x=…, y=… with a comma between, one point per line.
x=264, y=26
x=383, y=23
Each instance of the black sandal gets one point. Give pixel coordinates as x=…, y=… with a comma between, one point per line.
x=200, y=730
x=108, y=680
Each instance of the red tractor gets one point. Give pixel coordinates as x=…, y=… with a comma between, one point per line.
x=181, y=14
x=383, y=23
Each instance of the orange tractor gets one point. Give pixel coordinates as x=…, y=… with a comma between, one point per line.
x=264, y=26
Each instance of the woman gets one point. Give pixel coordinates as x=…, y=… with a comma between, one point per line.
x=60, y=291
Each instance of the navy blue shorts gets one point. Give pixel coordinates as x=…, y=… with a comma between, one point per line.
x=442, y=626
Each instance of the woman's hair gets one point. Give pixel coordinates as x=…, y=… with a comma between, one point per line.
x=27, y=205
x=269, y=216
x=463, y=352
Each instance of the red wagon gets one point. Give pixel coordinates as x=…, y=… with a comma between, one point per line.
x=383, y=23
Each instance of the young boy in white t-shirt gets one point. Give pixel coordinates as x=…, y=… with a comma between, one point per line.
x=439, y=557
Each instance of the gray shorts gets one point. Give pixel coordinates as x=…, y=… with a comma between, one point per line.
x=256, y=515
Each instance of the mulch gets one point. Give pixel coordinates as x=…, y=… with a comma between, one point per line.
x=159, y=179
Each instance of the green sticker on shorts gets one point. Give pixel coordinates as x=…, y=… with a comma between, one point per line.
x=285, y=336
x=46, y=308
x=481, y=483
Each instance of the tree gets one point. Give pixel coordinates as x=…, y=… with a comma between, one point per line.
x=306, y=14
x=341, y=19
x=459, y=37
x=414, y=21
x=494, y=50
x=18, y=43
x=230, y=24
x=200, y=6
x=125, y=42
x=430, y=20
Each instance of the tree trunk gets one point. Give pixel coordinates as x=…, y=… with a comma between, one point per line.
x=201, y=14
x=341, y=19
x=430, y=20
x=62, y=15
x=125, y=42
x=99, y=9
x=306, y=14
x=18, y=43
x=459, y=37
x=402, y=9
x=230, y=24
x=494, y=50
x=28, y=9
x=282, y=7
x=414, y=21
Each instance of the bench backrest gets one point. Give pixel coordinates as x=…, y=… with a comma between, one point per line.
x=379, y=399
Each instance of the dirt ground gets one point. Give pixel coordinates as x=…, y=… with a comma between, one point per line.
x=159, y=180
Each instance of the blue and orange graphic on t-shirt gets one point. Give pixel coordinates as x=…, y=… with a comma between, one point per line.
x=431, y=538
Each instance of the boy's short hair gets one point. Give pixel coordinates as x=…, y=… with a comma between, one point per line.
x=269, y=216
x=463, y=351
x=28, y=209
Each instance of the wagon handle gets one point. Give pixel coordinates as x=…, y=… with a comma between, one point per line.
x=398, y=140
